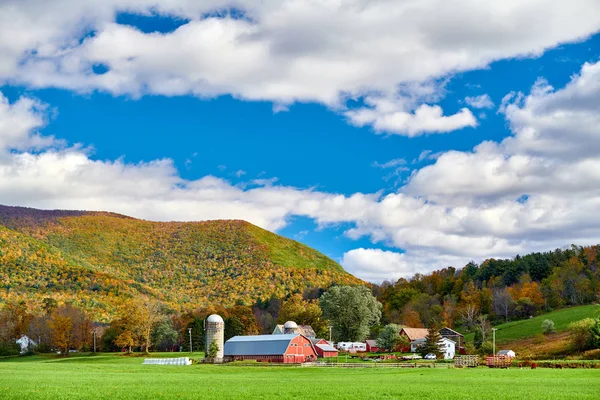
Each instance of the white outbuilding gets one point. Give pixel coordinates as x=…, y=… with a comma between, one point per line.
x=25, y=343
x=447, y=348
x=507, y=353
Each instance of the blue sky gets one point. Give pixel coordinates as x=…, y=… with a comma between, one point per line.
x=347, y=155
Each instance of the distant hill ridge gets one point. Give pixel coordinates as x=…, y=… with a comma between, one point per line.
x=100, y=258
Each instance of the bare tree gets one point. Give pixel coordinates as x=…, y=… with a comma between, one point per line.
x=502, y=302
x=469, y=314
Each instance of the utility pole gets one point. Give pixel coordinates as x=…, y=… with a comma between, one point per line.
x=494, y=340
x=94, y=332
x=330, y=333
x=190, y=331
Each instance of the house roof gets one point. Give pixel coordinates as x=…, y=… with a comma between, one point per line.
x=504, y=352
x=256, y=345
x=371, y=342
x=326, y=347
x=453, y=332
x=415, y=333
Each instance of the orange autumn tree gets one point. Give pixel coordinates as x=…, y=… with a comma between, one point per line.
x=70, y=328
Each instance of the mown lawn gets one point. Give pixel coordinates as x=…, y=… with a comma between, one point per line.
x=112, y=377
x=516, y=330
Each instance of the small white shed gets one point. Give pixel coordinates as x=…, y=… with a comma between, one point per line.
x=508, y=353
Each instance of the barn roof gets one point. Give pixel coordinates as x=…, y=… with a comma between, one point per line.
x=257, y=345
x=415, y=333
x=451, y=332
x=304, y=330
x=371, y=342
x=326, y=347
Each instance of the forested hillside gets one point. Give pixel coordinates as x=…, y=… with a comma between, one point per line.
x=99, y=259
x=495, y=291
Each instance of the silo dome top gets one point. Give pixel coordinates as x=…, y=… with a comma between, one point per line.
x=214, y=318
x=290, y=325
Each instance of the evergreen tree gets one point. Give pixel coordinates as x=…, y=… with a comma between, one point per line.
x=432, y=342
x=233, y=327
x=213, y=349
x=198, y=340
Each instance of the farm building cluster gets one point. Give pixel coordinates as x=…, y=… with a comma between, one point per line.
x=289, y=343
x=292, y=343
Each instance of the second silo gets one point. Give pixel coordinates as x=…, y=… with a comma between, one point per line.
x=215, y=332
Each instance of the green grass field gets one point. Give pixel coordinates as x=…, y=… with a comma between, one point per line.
x=108, y=376
x=530, y=327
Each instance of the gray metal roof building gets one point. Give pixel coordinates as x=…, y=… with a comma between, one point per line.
x=326, y=347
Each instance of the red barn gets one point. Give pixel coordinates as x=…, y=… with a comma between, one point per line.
x=290, y=348
x=372, y=346
x=324, y=349
x=416, y=337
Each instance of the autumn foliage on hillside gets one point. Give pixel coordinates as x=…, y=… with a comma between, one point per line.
x=495, y=290
x=99, y=260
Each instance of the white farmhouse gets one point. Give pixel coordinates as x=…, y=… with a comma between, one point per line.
x=447, y=348
x=26, y=343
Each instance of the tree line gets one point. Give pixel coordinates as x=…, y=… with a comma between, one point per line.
x=146, y=325
x=472, y=298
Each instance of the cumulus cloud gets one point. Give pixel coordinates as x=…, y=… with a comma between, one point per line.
x=376, y=265
x=391, y=117
x=19, y=122
x=283, y=51
x=482, y=101
x=535, y=190
x=553, y=150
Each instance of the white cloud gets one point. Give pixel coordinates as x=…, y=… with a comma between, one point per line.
x=536, y=190
x=482, y=101
x=285, y=51
x=391, y=117
x=385, y=53
x=395, y=163
x=465, y=205
x=376, y=265
x=553, y=151
x=19, y=122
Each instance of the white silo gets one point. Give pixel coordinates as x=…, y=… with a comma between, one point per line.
x=290, y=327
x=215, y=331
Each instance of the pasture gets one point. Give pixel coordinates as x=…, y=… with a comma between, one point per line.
x=108, y=376
x=522, y=329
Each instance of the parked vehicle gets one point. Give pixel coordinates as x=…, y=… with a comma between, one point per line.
x=352, y=347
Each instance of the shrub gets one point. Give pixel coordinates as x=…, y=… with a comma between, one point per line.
x=591, y=355
x=594, y=340
x=581, y=333
x=548, y=326
x=486, y=348
x=9, y=349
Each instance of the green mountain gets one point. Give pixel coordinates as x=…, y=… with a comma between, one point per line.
x=98, y=259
